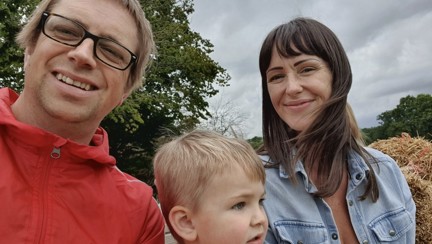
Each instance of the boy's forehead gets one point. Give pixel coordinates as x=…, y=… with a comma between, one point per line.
x=231, y=186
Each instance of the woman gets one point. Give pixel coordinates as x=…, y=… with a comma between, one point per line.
x=322, y=185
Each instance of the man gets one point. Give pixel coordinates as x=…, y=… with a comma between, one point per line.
x=58, y=183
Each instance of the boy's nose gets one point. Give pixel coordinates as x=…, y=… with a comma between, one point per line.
x=260, y=217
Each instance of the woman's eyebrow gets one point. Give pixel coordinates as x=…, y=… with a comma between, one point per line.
x=274, y=68
x=305, y=60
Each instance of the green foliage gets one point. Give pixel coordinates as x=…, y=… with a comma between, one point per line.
x=372, y=134
x=180, y=79
x=256, y=142
x=14, y=13
x=413, y=115
x=183, y=75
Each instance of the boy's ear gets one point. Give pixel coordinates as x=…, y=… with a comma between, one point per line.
x=181, y=222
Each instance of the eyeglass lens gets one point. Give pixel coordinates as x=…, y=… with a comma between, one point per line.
x=71, y=33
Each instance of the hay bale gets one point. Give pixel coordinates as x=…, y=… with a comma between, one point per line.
x=405, y=150
x=414, y=156
x=422, y=194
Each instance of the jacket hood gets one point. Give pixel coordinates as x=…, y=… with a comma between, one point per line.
x=35, y=137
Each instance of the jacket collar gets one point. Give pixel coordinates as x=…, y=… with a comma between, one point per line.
x=38, y=138
x=357, y=167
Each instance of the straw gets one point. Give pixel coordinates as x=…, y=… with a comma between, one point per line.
x=414, y=156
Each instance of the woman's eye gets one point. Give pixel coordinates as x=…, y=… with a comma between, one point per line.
x=276, y=78
x=239, y=206
x=307, y=69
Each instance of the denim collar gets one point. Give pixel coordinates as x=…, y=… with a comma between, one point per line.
x=357, y=168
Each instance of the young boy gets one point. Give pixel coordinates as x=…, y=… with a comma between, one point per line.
x=211, y=189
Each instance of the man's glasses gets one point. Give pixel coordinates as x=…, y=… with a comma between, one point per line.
x=71, y=33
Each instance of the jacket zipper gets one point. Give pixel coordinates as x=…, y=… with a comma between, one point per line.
x=43, y=209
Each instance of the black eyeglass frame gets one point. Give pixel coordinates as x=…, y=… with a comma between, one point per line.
x=87, y=34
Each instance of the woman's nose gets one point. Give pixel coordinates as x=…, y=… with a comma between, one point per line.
x=293, y=85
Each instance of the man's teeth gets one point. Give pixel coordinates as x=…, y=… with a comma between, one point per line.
x=71, y=82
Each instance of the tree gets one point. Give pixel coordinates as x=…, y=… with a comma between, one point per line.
x=225, y=119
x=11, y=59
x=256, y=142
x=413, y=115
x=173, y=99
x=182, y=76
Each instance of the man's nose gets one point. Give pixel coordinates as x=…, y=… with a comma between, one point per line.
x=83, y=54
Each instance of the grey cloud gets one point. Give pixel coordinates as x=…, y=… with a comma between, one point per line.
x=387, y=41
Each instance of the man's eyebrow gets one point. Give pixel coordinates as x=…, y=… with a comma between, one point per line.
x=105, y=36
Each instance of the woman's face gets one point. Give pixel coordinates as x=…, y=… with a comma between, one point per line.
x=298, y=86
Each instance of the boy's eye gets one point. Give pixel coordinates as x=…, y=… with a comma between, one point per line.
x=239, y=206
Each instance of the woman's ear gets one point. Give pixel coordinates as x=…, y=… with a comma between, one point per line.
x=181, y=222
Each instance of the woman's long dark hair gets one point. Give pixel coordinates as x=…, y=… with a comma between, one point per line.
x=327, y=142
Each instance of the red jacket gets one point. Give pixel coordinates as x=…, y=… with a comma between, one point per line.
x=55, y=191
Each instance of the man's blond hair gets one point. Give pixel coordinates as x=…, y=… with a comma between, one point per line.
x=29, y=35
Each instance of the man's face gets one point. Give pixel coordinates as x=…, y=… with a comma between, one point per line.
x=69, y=84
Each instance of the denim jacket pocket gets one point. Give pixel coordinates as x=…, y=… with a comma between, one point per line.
x=299, y=232
x=392, y=225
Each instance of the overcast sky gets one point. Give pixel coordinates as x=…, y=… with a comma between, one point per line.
x=388, y=42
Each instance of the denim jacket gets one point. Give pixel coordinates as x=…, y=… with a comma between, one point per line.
x=296, y=216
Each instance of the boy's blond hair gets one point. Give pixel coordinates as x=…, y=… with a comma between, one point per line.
x=185, y=166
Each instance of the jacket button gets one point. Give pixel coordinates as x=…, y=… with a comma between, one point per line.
x=365, y=242
x=392, y=233
x=334, y=236
x=358, y=177
x=350, y=202
x=299, y=242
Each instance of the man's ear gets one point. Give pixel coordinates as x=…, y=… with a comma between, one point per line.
x=125, y=95
x=122, y=100
x=181, y=222
x=27, y=54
